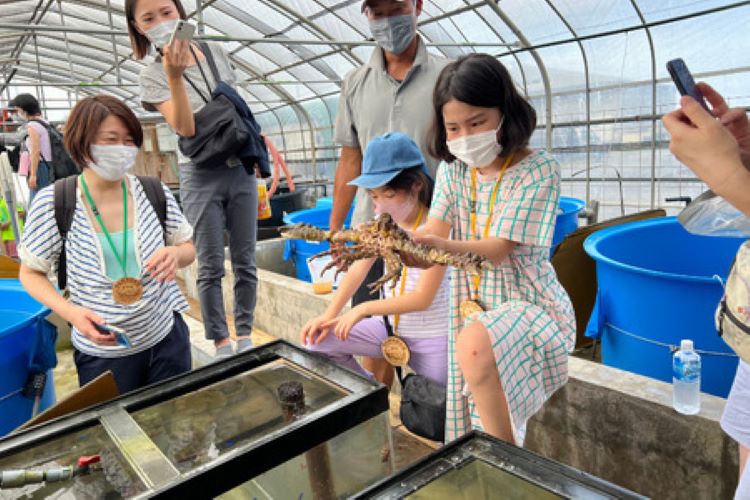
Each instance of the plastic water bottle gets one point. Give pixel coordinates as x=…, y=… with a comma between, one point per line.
x=686, y=379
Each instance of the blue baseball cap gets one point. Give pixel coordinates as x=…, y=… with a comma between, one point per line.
x=387, y=156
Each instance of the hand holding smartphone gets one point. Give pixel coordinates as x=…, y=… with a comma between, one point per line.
x=120, y=336
x=684, y=81
x=182, y=31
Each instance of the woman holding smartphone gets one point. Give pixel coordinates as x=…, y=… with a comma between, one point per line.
x=215, y=199
x=120, y=266
x=715, y=145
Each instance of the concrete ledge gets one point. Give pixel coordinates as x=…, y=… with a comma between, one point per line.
x=621, y=426
x=285, y=304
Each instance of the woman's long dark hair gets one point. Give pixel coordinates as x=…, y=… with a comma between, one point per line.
x=481, y=80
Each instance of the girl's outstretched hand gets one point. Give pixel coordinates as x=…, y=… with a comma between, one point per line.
x=423, y=238
x=343, y=324
x=314, y=332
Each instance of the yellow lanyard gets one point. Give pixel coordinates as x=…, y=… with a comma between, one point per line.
x=397, y=317
x=473, y=215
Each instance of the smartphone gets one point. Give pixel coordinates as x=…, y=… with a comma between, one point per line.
x=120, y=336
x=684, y=81
x=182, y=31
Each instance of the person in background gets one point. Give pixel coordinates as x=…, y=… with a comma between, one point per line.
x=716, y=147
x=395, y=177
x=120, y=266
x=391, y=93
x=512, y=327
x=214, y=199
x=6, y=228
x=37, y=143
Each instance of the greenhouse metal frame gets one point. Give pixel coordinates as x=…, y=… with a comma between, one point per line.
x=593, y=69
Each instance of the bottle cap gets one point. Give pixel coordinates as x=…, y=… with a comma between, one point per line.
x=686, y=345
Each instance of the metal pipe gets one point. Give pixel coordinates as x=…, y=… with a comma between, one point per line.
x=588, y=97
x=631, y=28
x=40, y=89
x=26, y=29
x=22, y=41
x=199, y=17
x=114, y=42
x=652, y=49
x=65, y=37
x=540, y=64
x=686, y=180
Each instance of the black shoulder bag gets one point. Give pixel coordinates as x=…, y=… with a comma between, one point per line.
x=422, y=402
x=220, y=131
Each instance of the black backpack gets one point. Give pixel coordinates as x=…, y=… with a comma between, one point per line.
x=62, y=165
x=65, y=207
x=14, y=156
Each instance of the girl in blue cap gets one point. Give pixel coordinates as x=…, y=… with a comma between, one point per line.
x=396, y=179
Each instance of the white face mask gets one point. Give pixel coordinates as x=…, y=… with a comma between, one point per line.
x=477, y=150
x=160, y=34
x=21, y=116
x=112, y=162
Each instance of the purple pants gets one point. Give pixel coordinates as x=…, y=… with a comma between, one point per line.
x=429, y=355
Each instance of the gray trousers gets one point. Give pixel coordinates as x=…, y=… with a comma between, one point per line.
x=214, y=200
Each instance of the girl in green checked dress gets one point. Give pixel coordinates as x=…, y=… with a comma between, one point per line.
x=513, y=327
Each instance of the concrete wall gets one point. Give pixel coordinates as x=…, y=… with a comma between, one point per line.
x=610, y=423
x=285, y=304
x=621, y=427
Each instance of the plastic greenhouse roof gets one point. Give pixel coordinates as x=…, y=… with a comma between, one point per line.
x=91, y=59
x=583, y=63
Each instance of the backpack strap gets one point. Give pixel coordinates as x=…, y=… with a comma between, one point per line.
x=211, y=62
x=155, y=193
x=65, y=207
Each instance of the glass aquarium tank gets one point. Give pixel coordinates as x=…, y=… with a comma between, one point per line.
x=481, y=466
x=276, y=422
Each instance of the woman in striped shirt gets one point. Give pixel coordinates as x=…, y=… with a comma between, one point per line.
x=396, y=178
x=120, y=265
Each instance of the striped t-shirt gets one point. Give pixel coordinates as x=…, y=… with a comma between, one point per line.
x=433, y=321
x=147, y=321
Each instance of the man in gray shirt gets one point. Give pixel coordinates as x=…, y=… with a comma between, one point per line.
x=392, y=92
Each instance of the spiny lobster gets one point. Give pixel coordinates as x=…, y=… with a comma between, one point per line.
x=381, y=237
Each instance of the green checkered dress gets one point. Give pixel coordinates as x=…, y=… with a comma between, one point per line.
x=530, y=318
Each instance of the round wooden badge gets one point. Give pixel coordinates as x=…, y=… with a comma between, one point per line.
x=127, y=291
x=470, y=308
x=395, y=351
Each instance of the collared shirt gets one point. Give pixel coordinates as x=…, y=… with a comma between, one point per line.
x=147, y=321
x=372, y=103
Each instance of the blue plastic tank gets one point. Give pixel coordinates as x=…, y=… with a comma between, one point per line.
x=658, y=284
x=324, y=202
x=21, y=323
x=567, y=218
x=299, y=250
